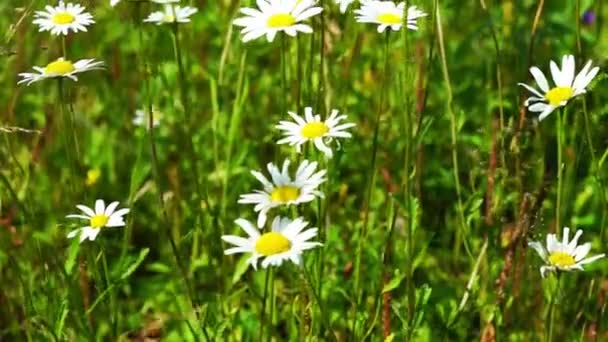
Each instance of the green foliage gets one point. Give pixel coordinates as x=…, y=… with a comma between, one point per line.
x=427, y=209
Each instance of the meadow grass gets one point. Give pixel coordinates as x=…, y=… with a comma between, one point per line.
x=423, y=217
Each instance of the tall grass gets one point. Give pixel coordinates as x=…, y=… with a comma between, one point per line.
x=427, y=209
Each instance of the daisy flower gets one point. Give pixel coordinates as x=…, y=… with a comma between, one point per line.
x=60, y=68
x=566, y=86
x=273, y=16
x=387, y=14
x=63, y=18
x=283, y=191
x=141, y=117
x=101, y=217
x=312, y=128
x=171, y=14
x=565, y=255
x=286, y=241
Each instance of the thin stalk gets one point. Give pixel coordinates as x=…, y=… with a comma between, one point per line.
x=188, y=120
x=108, y=286
x=321, y=81
x=264, y=299
x=284, y=90
x=551, y=314
x=560, y=170
x=407, y=125
x=66, y=129
x=463, y=229
x=157, y=179
x=370, y=186
x=325, y=320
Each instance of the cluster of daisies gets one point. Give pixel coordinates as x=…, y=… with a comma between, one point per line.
x=566, y=255
x=64, y=18
x=287, y=239
x=289, y=16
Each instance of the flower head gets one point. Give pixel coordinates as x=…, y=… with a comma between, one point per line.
x=283, y=190
x=273, y=16
x=388, y=14
x=565, y=255
x=60, y=68
x=63, y=18
x=566, y=87
x=101, y=217
x=171, y=14
x=286, y=241
x=312, y=128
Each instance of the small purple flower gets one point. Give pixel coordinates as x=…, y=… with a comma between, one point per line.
x=589, y=18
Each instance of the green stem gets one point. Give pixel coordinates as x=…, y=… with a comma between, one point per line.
x=108, y=286
x=264, y=300
x=157, y=179
x=551, y=318
x=188, y=121
x=463, y=229
x=66, y=137
x=560, y=173
x=370, y=186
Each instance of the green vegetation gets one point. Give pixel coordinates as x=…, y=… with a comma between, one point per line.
x=427, y=211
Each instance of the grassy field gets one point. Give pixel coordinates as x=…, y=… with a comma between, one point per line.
x=413, y=221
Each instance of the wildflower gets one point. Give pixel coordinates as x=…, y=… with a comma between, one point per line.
x=312, y=128
x=566, y=86
x=286, y=241
x=93, y=176
x=101, y=217
x=565, y=255
x=274, y=16
x=141, y=117
x=283, y=191
x=171, y=14
x=60, y=68
x=387, y=14
x=63, y=18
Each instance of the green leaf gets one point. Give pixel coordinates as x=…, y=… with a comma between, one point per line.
x=142, y=255
x=394, y=283
x=70, y=261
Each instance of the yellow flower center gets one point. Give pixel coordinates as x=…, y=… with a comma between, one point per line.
x=272, y=243
x=99, y=221
x=169, y=18
x=59, y=67
x=557, y=95
x=284, y=194
x=63, y=18
x=280, y=20
x=314, y=130
x=389, y=18
x=561, y=259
